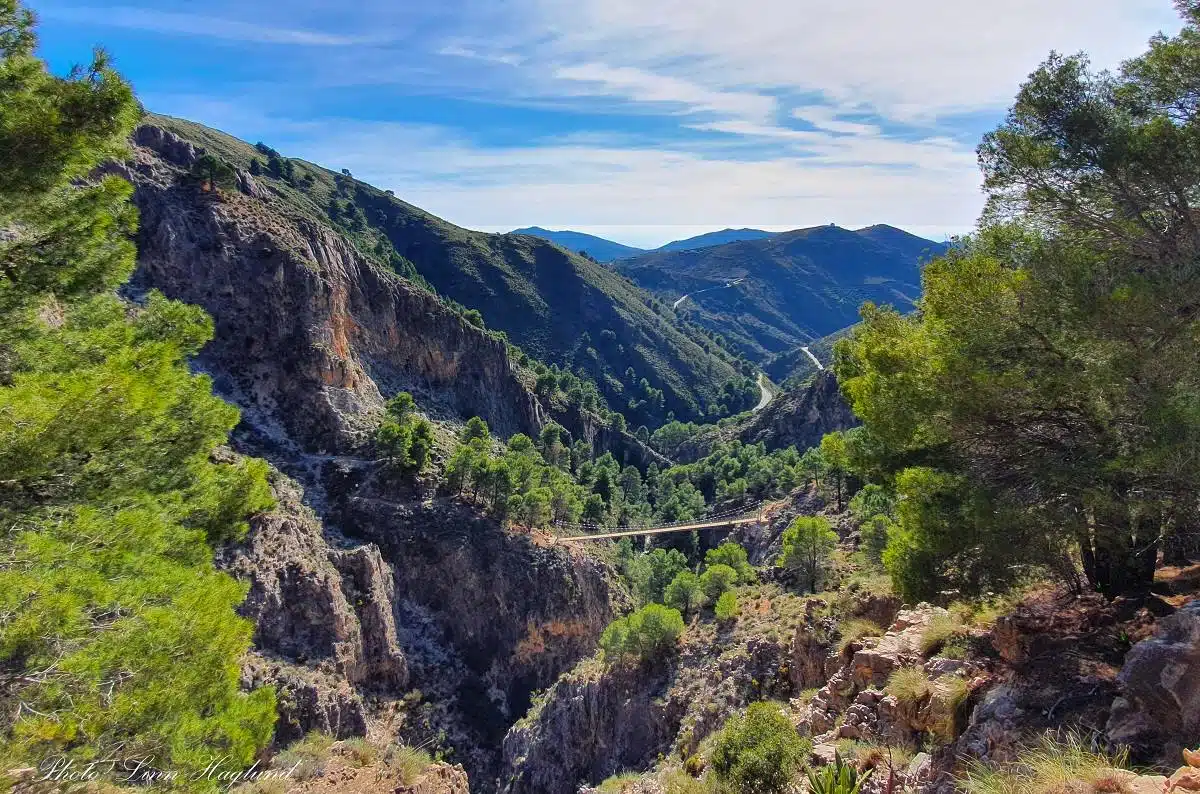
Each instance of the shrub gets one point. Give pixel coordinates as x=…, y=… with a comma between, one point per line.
x=854, y=630
x=727, y=606
x=310, y=753
x=646, y=634
x=685, y=592
x=1057, y=763
x=733, y=555
x=837, y=778
x=760, y=752
x=716, y=580
x=359, y=752
x=908, y=685
x=409, y=762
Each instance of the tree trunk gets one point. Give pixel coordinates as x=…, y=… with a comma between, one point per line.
x=1125, y=552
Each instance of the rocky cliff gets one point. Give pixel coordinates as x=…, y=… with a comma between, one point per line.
x=422, y=620
x=802, y=417
x=310, y=336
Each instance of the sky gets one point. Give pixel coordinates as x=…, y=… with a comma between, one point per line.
x=642, y=121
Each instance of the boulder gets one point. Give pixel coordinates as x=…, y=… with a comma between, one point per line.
x=1160, y=687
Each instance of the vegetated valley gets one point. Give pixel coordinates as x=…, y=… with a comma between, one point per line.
x=294, y=475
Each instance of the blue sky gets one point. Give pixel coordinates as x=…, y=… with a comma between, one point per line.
x=639, y=120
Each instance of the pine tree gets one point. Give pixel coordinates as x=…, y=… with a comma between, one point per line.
x=119, y=632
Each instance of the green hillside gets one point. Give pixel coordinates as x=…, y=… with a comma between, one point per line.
x=558, y=307
x=796, y=286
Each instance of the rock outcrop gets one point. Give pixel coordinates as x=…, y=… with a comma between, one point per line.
x=309, y=334
x=1159, y=704
x=802, y=417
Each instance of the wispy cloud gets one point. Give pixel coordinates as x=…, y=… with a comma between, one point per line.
x=180, y=24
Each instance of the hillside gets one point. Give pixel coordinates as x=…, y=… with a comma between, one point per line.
x=798, y=286
x=558, y=307
x=596, y=247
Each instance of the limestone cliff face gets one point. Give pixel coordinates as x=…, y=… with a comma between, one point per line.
x=308, y=331
x=421, y=621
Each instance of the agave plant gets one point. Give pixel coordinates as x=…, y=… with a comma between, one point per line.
x=837, y=778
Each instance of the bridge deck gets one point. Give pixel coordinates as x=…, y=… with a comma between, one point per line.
x=726, y=522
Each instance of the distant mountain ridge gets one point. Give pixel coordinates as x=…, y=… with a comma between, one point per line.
x=598, y=248
x=716, y=238
x=796, y=287
x=603, y=250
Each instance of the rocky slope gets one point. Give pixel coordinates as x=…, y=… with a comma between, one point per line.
x=310, y=335
x=372, y=616
x=557, y=306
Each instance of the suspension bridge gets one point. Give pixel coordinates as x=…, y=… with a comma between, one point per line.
x=755, y=514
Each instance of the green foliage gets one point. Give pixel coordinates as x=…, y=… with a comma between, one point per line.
x=650, y=573
x=733, y=555
x=403, y=438
x=807, y=544
x=119, y=632
x=759, y=752
x=716, y=580
x=836, y=461
x=1049, y=385
x=727, y=607
x=837, y=778
x=213, y=173
x=685, y=593
x=646, y=635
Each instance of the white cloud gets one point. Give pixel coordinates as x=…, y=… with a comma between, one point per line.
x=652, y=193
x=642, y=86
x=912, y=59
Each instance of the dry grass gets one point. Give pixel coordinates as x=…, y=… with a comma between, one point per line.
x=941, y=629
x=619, y=783
x=869, y=755
x=909, y=685
x=408, y=762
x=310, y=753
x=854, y=630
x=359, y=752
x=1063, y=764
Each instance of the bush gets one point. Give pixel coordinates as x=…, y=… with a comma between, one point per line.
x=727, y=607
x=685, y=592
x=760, y=752
x=908, y=685
x=947, y=693
x=716, y=580
x=837, y=778
x=733, y=555
x=646, y=635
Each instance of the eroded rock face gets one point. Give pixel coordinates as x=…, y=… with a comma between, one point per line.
x=801, y=418
x=308, y=333
x=1160, y=687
